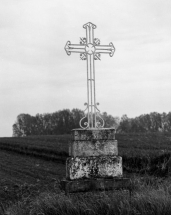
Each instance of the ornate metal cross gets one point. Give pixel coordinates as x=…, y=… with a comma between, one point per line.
x=90, y=50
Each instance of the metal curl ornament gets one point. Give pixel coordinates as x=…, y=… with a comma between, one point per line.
x=85, y=123
x=98, y=124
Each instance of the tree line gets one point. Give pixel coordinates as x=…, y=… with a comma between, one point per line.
x=153, y=122
x=60, y=122
x=63, y=121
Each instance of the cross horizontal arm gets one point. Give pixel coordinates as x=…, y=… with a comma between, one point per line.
x=106, y=49
x=74, y=48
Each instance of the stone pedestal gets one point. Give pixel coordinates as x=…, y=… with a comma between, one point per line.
x=96, y=184
x=93, y=161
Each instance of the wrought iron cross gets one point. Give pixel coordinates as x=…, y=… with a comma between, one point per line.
x=90, y=50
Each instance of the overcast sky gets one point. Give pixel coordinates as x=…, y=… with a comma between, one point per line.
x=37, y=76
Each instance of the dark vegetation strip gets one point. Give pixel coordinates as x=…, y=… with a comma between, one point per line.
x=158, y=165
x=42, y=154
x=27, y=149
x=44, y=147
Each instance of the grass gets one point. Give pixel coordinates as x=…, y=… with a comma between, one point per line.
x=148, y=198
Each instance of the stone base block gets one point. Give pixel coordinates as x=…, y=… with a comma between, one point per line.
x=93, y=134
x=94, y=167
x=93, y=148
x=95, y=184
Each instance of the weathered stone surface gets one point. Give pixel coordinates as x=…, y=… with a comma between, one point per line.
x=95, y=184
x=93, y=167
x=169, y=166
x=93, y=134
x=93, y=148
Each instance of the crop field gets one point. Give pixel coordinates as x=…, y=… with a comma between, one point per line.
x=35, y=164
x=39, y=158
x=56, y=147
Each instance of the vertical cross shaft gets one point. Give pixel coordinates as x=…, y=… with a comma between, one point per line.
x=90, y=50
x=91, y=95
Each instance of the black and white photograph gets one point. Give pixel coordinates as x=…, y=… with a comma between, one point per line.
x=85, y=107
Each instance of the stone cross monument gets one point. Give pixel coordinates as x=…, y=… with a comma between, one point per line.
x=94, y=163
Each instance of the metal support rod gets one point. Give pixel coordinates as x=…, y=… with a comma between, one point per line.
x=88, y=93
x=91, y=94
x=94, y=92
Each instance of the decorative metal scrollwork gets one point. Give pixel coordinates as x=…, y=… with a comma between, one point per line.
x=83, y=56
x=85, y=123
x=83, y=40
x=98, y=124
x=92, y=119
x=97, y=56
x=96, y=41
